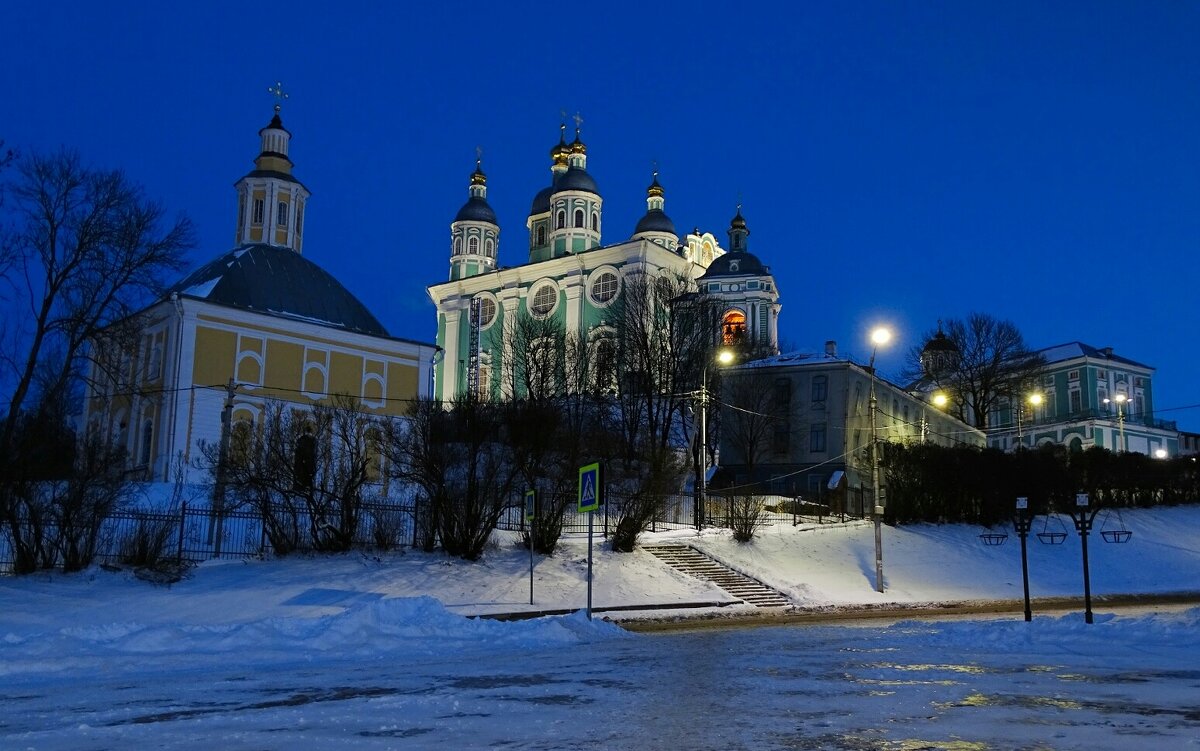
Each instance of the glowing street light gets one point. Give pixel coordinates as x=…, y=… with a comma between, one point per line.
x=940, y=400
x=880, y=335
x=1034, y=400
x=1120, y=399
x=723, y=357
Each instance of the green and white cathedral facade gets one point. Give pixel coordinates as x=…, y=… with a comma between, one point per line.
x=572, y=279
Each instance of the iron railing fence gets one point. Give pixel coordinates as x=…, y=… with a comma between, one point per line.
x=192, y=534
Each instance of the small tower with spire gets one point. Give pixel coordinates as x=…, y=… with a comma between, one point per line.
x=575, y=205
x=474, y=233
x=271, y=201
x=656, y=226
x=738, y=233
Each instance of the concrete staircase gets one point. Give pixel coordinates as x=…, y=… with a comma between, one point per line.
x=692, y=562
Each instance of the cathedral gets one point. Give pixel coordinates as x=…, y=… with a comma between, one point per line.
x=572, y=279
x=260, y=323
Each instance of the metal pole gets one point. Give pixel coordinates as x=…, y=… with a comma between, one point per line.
x=702, y=465
x=875, y=482
x=222, y=467
x=589, y=601
x=531, y=525
x=1083, y=516
x=1023, y=523
x=1121, y=425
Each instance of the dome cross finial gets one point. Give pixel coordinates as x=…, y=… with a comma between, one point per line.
x=279, y=94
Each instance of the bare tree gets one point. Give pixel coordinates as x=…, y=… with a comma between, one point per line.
x=454, y=455
x=757, y=416
x=305, y=471
x=88, y=250
x=990, y=362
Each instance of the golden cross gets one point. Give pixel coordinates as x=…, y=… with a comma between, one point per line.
x=279, y=93
x=578, y=121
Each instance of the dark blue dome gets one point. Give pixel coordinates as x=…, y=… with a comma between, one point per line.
x=476, y=209
x=655, y=221
x=281, y=282
x=736, y=264
x=576, y=178
x=541, y=202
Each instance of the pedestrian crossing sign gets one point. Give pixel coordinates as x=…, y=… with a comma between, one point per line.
x=591, y=487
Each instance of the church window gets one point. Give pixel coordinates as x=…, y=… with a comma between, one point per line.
x=733, y=327
x=604, y=364
x=604, y=288
x=299, y=218
x=373, y=445
x=281, y=214
x=578, y=217
x=560, y=220
x=487, y=312
x=240, y=442
x=147, y=442
x=258, y=211
x=545, y=298
x=457, y=245
x=541, y=371
x=473, y=245
x=490, y=248
x=595, y=222
x=541, y=235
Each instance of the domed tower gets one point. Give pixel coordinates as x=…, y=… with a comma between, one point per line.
x=270, y=200
x=939, y=356
x=738, y=233
x=574, y=205
x=539, y=214
x=745, y=290
x=474, y=233
x=656, y=226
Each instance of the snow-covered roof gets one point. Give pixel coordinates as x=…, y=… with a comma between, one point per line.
x=1076, y=350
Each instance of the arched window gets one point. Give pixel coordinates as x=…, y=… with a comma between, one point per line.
x=147, y=442
x=578, y=217
x=733, y=327
x=241, y=438
x=541, y=235
x=282, y=212
x=595, y=222
x=457, y=245
x=490, y=247
x=305, y=463
x=473, y=245
x=560, y=219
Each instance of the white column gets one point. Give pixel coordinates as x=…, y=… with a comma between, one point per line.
x=510, y=300
x=449, y=388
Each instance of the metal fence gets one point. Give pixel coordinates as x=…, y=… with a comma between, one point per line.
x=199, y=534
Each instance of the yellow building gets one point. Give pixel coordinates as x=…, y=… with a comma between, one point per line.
x=261, y=315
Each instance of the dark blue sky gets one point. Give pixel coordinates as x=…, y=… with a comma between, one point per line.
x=897, y=161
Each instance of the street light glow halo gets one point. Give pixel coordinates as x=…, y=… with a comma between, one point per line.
x=1035, y=399
x=881, y=335
x=724, y=357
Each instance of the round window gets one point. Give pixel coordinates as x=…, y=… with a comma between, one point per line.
x=604, y=288
x=487, y=312
x=544, y=300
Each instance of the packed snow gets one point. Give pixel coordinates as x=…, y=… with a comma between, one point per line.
x=364, y=651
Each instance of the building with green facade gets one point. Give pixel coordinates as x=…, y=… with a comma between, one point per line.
x=571, y=279
x=1087, y=397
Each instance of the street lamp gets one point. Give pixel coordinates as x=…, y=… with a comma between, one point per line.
x=940, y=400
x=1120, y=399
x=724, y=357
x=1034, y=400
x=879, y=336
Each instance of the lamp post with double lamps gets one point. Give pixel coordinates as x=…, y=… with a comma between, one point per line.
x=1120, y=399
x=723, y=357
x=879, y=335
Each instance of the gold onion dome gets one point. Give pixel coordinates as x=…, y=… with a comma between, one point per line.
x=577, y=145
x=738, y=221
x=655, y=190
x=477, y=177
x=561, y=149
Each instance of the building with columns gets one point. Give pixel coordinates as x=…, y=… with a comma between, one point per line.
x=260, y=316
x=572, y=279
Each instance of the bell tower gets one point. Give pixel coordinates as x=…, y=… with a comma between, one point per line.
x=271, y=201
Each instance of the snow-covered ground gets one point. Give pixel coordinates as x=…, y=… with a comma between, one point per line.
x=359, y=651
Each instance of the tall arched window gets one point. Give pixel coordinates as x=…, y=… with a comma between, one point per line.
x=541, y=235
x=490, y=248
x=595, y=222
x=733, y=327
x=578, y=217
x=473, y=245
x=147, y=442
x=457, y=245
x=560, y=220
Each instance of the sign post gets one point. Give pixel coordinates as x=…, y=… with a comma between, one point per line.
x=531, y=518
x=591, y=498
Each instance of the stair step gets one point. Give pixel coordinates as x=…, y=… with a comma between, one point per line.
x=692, y=562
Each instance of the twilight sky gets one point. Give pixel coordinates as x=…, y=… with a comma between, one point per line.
x=897, y=162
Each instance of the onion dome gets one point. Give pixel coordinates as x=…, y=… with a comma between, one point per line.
x=939, y=354
x=541, y=202
x=477, y=209
x=655, y=219
x=561, y=150
x=736, y=264
x=576, y=178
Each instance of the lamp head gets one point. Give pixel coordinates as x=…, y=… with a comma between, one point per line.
x=1121, y=398
x=725, y=356
x=939, y=399
x=1035, y=399
x=880, y=335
